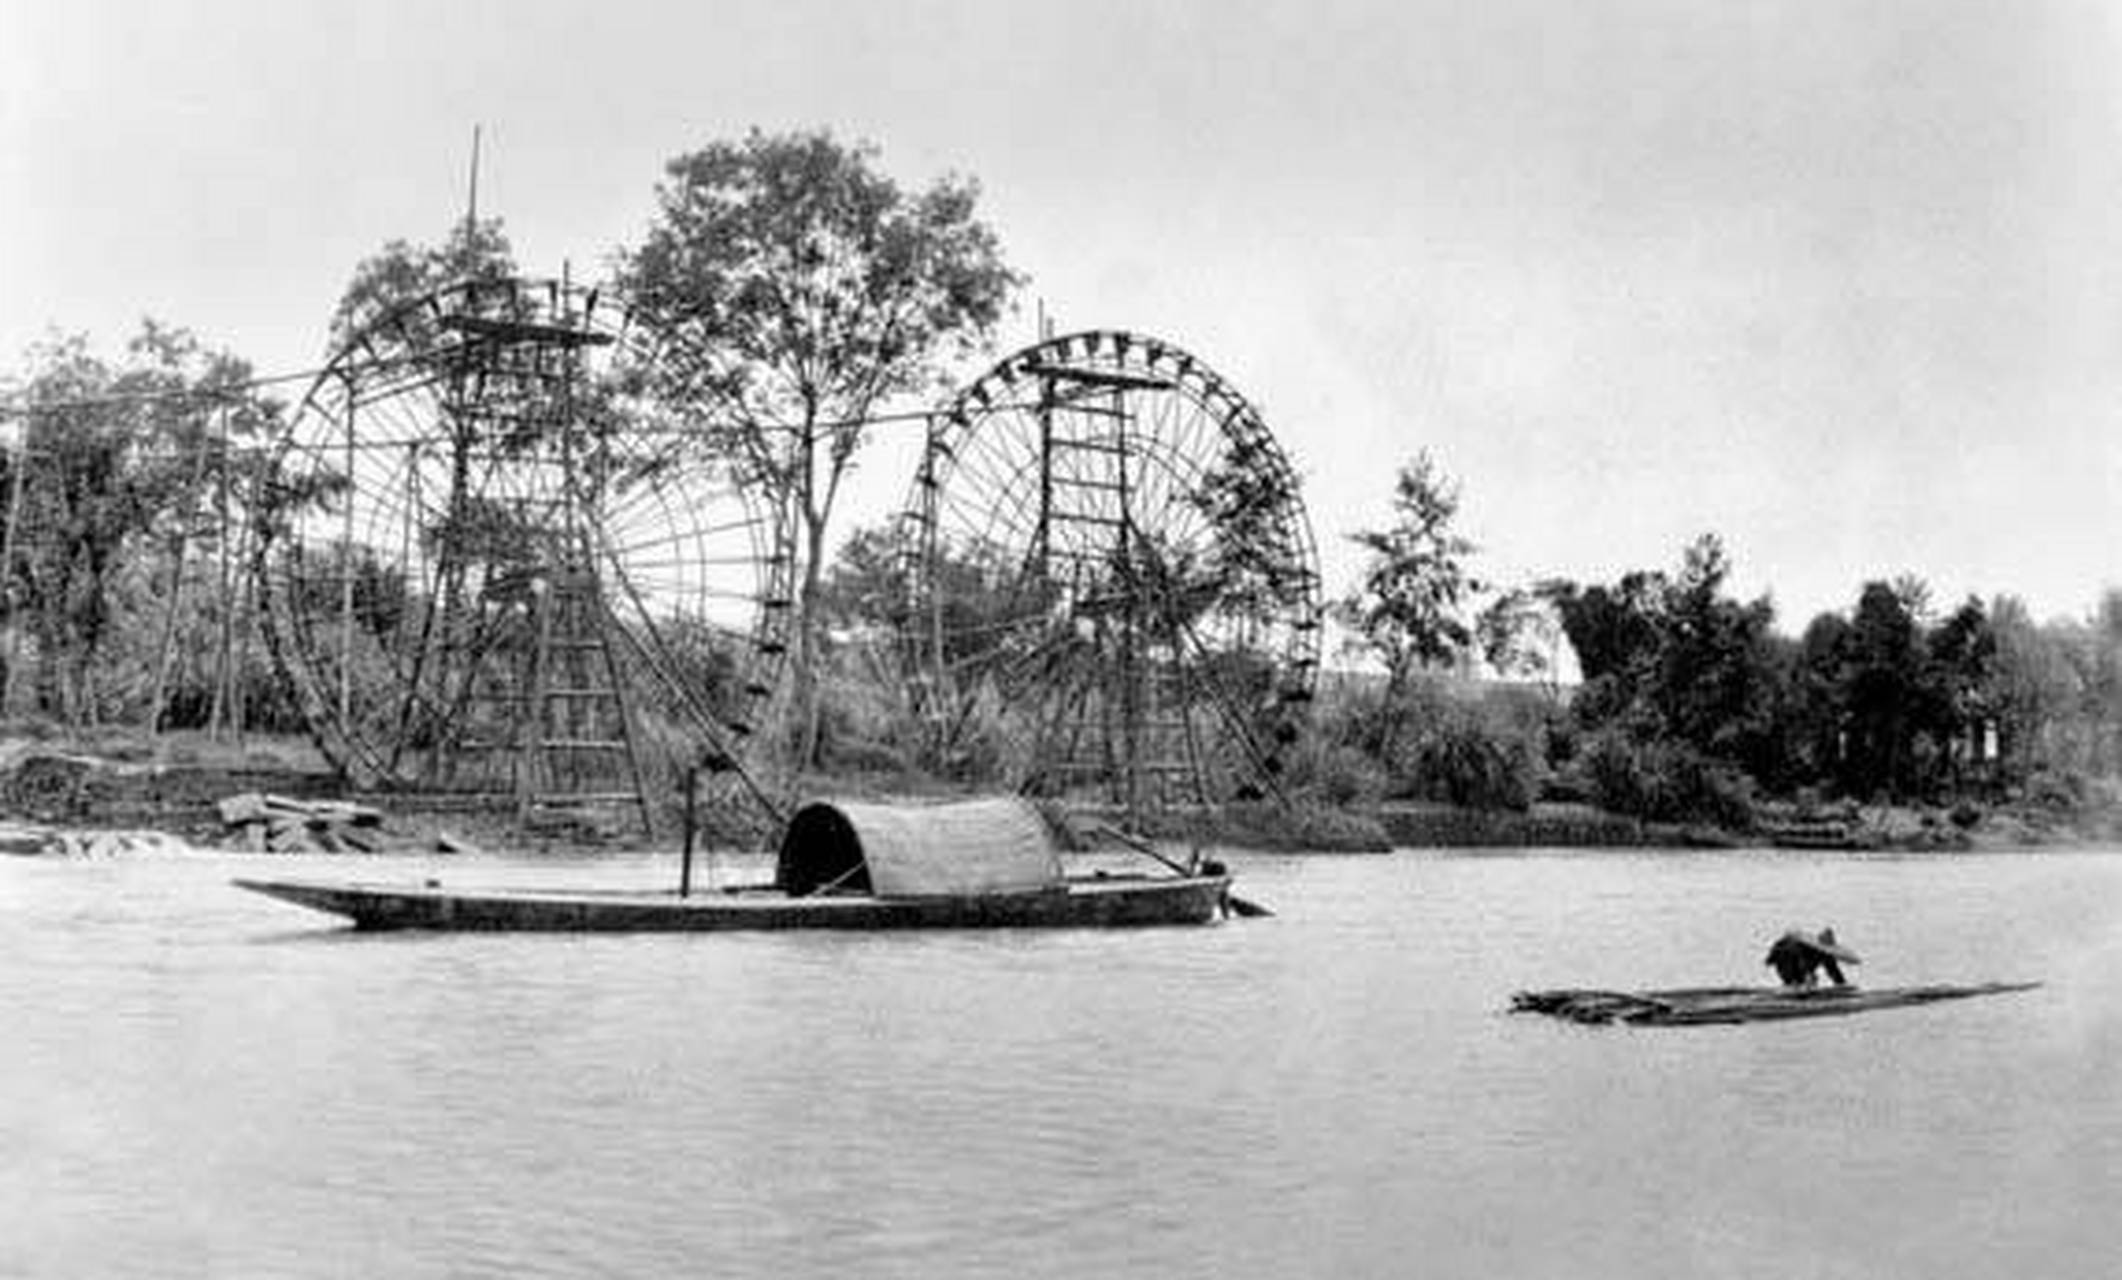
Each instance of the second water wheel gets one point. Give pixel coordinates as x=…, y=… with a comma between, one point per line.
x=1111, y=567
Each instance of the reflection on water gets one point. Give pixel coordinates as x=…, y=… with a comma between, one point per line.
x=194, y=1081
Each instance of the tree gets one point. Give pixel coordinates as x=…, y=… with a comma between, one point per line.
x=1714, y=675
x=1520, y=636
x=2031, y=689
x=1882, y=690
x=1683, y=687
x=1255, y=569
x=815, y=289
x=1408, y=609
x=1614, y=633
x=403, y=271
x=1959, y=655
x=2089, y=734
x=115, y=467
x=1814, y=714
x=865, y=588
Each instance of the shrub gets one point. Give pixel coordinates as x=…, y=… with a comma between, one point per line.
x=1666, y=782
x=1461, y=761
x=1335, y=773
x=1471, y=751
x=2061, y=789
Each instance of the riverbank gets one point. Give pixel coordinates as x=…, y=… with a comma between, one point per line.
x=181, y=793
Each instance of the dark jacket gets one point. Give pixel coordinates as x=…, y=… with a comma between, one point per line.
x=1797, y=959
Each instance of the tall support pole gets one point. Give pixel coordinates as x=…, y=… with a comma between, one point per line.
x=346, y=582
x=243, y=597
x=529, y=766
x=471, y=198
x=226, y=647
x=17, y=471
x=1042, y=535
x=248, y=634
x=1126, y=563
x=180, y=553
x=692, y=826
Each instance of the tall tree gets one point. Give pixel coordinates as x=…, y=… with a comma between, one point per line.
x=2097, y=657
x=1410, y=606
x=1715, y=676
x=816, y=288
x=1883, y=690
x=1614, y=632
x=2032, y=689
x=1960, y=655
x=113, y=471
x=1815, y=714
x=1672, y=657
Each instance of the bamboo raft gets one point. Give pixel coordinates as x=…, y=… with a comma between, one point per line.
x=1708, y=1006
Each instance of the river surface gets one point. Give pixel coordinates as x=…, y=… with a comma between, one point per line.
x=198, y=1082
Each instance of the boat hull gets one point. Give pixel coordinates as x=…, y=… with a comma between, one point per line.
x=1093, y=903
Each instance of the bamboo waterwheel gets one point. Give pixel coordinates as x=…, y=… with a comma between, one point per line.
x=498, y=562
x=1113, y=582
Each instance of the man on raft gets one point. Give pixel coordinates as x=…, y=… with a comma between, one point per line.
x=1798, y=957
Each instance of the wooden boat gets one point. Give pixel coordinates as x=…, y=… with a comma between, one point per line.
x=1704, y=1006
x=971, y=865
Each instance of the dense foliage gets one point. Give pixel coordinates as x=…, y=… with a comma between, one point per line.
x=1693, y=707
x=123, y=497
x=815, y=288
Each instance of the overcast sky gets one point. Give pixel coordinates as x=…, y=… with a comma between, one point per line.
x=1838, y=281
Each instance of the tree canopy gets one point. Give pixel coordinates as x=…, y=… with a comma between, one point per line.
x=814, y=288
x=117, y=461
x=815, y=284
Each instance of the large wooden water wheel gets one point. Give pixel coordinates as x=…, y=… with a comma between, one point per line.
x=496, y=563
x=1110, y=565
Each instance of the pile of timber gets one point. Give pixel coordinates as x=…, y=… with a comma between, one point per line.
x=1706, y=1006
x=277, y=824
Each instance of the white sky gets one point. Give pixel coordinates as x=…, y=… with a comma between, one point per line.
x=1839, y=281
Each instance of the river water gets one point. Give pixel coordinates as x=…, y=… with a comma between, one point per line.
x=198, y=1082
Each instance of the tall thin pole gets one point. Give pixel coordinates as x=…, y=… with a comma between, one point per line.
x=346, y=579
x=692, y=825
x=17, y=474
x=180, y=550
x=224, y=542
x=471, y=200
